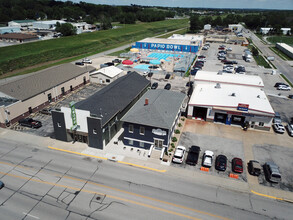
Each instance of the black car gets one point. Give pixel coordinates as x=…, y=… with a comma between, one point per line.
x=116, y=61
x=155, y=85
x=150, y=74
x=167, y=76
x=167, y=86
x=254, y=168
x=201, y=56
x=280, y=84
x=290, y=96
x=1, y=184
x=79, y=63
x=193, y=155
x=29, y=122
x=221, y=162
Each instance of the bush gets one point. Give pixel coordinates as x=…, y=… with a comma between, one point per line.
x=174, y=139
x=182, y=119
x=177, y=131
x=179, y=125
x=172, y=145
x=170, y=150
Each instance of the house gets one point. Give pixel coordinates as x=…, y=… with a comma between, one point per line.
x=106, y=75
x=231, y=99
x=22, y=96
x=207, y=27
x=265, y=30
x=96, y=120
x=286, y=31
x=18, y=37
x=151, y=121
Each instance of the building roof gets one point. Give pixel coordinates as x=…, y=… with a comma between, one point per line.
x=168, y=41
x=18, y=36
x=190, y=37
x=110, y=71
x=115, y=97
x=286, y=47
x=23, y=21
x=50, y=22
x=229, y=96
x=235, y=79
x=41, y=81
x=161, y=111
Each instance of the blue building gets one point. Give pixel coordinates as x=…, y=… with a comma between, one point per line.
x=176, y=45
x=151, y=121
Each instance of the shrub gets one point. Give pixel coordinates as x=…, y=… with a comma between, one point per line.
x=182, y=119
x=172, y=145
x=177, y=131
x=179, y=125
x=174, y=139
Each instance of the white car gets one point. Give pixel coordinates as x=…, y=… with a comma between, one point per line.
x=86, y=60
x=290, y=129
x=279, y=128
x=207, y=159
x=229, y=49
x=284, y=87
x=179, y=154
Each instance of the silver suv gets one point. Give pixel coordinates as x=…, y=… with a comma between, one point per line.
x=272, y=172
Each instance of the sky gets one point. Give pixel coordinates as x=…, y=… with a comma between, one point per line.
x=237, y=4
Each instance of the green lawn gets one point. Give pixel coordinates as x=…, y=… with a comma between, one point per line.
x=117, y=53
x=281, y=39
x=184, y=31
x=74, y=47
x=261, y=61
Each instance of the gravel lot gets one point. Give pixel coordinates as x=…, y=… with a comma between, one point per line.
x=230, y=148
x=282, y=156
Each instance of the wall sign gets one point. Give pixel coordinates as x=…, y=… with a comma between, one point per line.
x=159, y=132
x=73, y=115
x=242, y=107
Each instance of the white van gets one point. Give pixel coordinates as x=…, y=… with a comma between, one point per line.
x=290, y=129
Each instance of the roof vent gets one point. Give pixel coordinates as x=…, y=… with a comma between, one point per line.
x=258, y=96
x=218, y=86
x=233, y=94
x=220, y=72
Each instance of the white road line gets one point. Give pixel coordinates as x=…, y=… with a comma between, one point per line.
x=31, y=215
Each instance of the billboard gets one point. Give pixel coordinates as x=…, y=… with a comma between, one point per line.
x=167, y=47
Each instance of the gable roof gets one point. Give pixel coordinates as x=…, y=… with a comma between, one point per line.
x=110, y=71
x=115, y=97
x=41, y=81
x=161, y=111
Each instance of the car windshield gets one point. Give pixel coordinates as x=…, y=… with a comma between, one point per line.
x=177, y=156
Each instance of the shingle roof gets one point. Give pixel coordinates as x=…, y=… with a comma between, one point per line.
x=163, y=106
x=115, y=97
x=42, y=81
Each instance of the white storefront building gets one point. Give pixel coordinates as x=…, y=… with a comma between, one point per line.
x=230, y=99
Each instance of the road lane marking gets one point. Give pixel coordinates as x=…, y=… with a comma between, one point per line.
x=134, y=194
x=31, y=215
x=271, y=197
x=105, y=158
x=109, y=196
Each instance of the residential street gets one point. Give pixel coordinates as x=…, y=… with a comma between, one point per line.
x=40, y=181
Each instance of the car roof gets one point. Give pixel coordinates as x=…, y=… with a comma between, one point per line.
x=208, y=152
x=194, y=148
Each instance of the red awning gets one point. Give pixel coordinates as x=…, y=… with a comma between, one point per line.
x=127, y=62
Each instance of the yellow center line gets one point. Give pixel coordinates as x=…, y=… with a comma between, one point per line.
x=109, y=196
x=105, y=158
x=126, y=192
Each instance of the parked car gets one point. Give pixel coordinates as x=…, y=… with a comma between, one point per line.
x=79, y=63
x=229, y=49
x=221, y=48
x=290, y=96
x=207, y=159
x=221, y=162
x=116, y=61
x=254, y=168
x=280, y=84
x=205, y=48
x=277, y=118
x=29, y=122
x=222, y=51
x=109, y=64
x=279, y=128
x=193, y=155
x=155, y=85
x=167, y=86
x=150, y=74
x=87, y=61
x=201, y=56
x=272, y=172
x=179, y=154
x=290, y=129
x=283, y=87
x=221, y=57
x=167, y=76
x=1, y=184
x=237, y=165
x=46, y=111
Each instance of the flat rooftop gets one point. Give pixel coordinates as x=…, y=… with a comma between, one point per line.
x=227, y=78
x=229, y=96
x=170, y=41
x=286, y=47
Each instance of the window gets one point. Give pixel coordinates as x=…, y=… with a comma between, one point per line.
x=59, y=124
x=63, y=91
x=107, y=80
x=94, y=131
x=141, y=144
x=130, y=142
x=261, y=124
x=49, y=97
x=130, y=128
x=141, y=130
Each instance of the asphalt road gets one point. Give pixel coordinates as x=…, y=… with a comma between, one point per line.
x=45, y=184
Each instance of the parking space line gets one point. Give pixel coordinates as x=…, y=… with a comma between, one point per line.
x=104, y=158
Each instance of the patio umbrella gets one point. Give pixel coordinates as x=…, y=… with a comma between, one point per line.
x=127, y=62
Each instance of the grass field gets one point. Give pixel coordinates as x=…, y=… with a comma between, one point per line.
x=67, y=49
x=117, y=53
x=281, y=39
x=184, y=31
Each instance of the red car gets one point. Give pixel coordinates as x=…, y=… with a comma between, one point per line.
x=237, y=165
x=221, y=48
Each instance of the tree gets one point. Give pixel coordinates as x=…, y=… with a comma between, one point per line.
x=254, y=51
x=195, y=23
x=65, y=29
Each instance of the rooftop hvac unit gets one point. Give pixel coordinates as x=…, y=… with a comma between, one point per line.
x=218, y=86
x=233, y=94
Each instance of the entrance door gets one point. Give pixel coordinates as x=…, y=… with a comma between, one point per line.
x=158, y=144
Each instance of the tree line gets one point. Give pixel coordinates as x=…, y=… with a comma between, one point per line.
x=73, y=12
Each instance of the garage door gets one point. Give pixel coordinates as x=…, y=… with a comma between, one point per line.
x=220, y=117
x=237, y=120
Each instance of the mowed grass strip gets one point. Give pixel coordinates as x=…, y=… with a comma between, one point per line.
x=281, y=39
x=30, y=54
